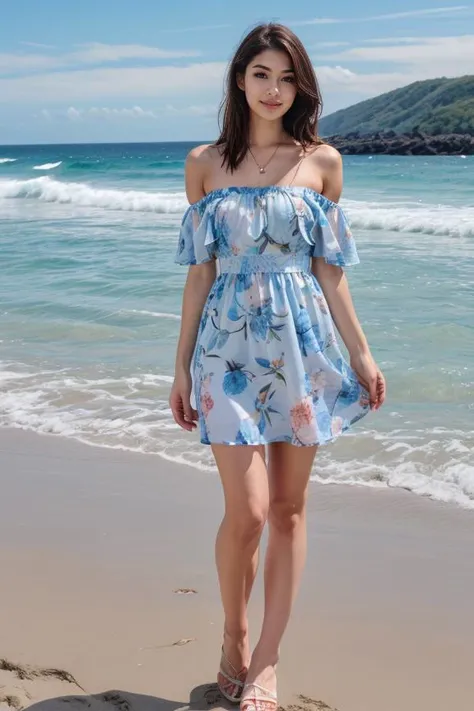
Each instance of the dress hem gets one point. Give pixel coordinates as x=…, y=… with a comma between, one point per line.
x=289, y=440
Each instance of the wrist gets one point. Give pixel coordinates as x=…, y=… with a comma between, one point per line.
x=182, y=368
x=361, y=350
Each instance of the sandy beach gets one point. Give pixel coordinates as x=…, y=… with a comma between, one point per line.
x=109, y=594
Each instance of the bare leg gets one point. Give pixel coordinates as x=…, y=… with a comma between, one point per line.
x=289, y=468
x=244, y=478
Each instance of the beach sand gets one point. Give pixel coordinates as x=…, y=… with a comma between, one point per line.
x=97, y=546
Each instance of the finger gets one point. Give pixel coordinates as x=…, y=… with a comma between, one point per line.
x=177, y=408
x=373, y=393
x=363, y=382
x=381, y=389
x=188, y=412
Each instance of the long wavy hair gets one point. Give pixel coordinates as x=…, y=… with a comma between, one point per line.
x=301, y=119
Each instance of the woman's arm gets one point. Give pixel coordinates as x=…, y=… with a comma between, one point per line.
x=199, y=280
x=332, y=278
x=334, y=284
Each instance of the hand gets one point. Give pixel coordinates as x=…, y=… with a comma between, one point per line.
x=371, y=377
x=180, y=402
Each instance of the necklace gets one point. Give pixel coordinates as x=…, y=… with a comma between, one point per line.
x=262, y=168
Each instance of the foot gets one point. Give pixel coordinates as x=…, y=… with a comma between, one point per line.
x=258, y=698
x=236, y=651
x=233, y=667
x=260, y=690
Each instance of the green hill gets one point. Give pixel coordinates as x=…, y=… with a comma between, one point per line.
x=435, y=106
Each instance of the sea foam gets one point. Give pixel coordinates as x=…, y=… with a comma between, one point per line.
x=47, y=189
x=442, y=220
x=47, y=166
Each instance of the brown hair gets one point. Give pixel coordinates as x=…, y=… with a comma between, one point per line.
x=300, y=121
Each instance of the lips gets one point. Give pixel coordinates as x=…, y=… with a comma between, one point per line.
x=271, y=103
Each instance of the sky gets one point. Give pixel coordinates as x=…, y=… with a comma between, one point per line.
x=117, y=70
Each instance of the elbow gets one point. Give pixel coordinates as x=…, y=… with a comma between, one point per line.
x=327, y=274
x=202, y=275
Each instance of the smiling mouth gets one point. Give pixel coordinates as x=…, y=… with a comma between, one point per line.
x=270, y=103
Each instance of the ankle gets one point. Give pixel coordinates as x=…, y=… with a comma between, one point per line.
x=266, y=655
x=236, y=649
x=237, y=636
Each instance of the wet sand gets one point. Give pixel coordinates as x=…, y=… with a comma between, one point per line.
x=109, y=593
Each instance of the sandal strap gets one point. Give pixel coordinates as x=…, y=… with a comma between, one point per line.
x=232, y=668
x=230, y=679
x=271, y=695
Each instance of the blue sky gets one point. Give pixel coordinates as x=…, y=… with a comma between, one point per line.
x=117, y=70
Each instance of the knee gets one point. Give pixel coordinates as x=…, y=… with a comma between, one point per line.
x=246, y=525
x=286, y=516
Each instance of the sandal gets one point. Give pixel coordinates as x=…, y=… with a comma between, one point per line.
x=231, y=687
x=260, y=700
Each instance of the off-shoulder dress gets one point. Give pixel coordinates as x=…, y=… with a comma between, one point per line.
x=267, y=366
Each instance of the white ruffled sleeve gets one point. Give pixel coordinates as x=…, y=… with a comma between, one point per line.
x=325, y=227
x=197, y=235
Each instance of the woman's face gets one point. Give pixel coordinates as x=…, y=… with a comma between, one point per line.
x=269, y=84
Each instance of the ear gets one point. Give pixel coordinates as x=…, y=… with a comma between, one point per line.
x=239, y=78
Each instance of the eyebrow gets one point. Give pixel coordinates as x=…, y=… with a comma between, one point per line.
x=267, y=69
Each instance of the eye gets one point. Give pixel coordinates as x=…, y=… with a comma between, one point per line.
x=259, y=74
x=290, y=80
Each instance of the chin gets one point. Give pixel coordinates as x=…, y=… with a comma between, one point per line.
x=272, y=115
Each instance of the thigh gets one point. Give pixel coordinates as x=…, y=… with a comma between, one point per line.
x=289, y=469
x=243, y=473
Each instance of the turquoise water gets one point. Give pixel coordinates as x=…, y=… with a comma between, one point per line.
x=90, y=307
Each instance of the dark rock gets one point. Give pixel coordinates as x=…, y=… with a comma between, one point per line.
x=413, y=143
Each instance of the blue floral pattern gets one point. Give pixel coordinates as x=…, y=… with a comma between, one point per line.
x=267, y=366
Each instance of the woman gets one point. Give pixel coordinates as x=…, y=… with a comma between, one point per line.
x=258, y=340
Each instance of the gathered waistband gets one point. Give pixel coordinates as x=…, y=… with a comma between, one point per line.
x=252, y=263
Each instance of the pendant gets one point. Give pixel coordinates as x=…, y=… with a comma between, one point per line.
x=262, y=169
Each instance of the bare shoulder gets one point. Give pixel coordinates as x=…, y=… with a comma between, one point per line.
x=198, y=162
x=328, y=162
x=200, y=154
x=325, y=156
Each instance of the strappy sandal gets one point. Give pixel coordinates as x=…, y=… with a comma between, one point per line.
x=260, y=699
x=230, y=687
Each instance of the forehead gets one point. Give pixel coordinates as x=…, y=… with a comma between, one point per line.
x=275, y=59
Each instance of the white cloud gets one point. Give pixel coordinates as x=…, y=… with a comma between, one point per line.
x=438, y=54
x=124, y=82
x=436, y=11
x=331, y=44
x=98, y=53
x=24, y=63
x=317, y=21
x=193, y=110
x=396, y=40
x=108, y=113
x=340, y=79
x=91, y=53
x=428, y=58
x=422, y=13
x=38, y=44
x=74, y=114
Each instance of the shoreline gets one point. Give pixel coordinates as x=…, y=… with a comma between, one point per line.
x=94, y=544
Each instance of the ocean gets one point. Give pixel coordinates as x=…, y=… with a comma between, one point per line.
x=90, y=303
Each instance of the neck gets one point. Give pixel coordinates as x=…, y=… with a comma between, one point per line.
x=265, y=134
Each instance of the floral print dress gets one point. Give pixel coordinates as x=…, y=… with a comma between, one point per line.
x=267, y=366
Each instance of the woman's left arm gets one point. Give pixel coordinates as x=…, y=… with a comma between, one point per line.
x=334, y=284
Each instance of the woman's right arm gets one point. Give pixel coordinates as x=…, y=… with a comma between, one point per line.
x=196, y=290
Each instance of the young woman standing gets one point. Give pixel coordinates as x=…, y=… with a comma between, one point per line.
x=267, y=244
